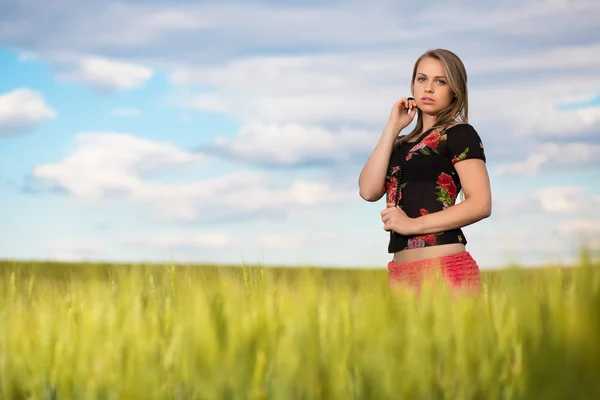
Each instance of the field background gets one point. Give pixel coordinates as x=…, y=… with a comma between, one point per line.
x=107, y=331
x=234, y=132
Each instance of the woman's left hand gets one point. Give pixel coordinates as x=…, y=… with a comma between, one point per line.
x=395, y=219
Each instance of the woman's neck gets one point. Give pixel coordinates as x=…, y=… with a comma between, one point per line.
x=428, y=121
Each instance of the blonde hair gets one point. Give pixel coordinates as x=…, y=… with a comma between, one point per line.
x=458, y=110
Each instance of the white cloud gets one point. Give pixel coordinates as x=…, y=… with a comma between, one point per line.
x=138, y=24
x=291, y=144
x=295, y=74
x=217, y=240
x=104, y=74
x=577, y=97
x=108, y=166
x=582, y=232
x=578, y=153
x=581, y=226
x=126, y=112
x=530, y=166
x=553, y=59
x=523, y=19
x=545, y=120
x=144, y=23
x=354, y=88
x=198, y=26
x=559, y=200
x=531, y=239
x=334, y=71
x=566, y=200
x=360, y=88
x=111, y=162
x=527, y=238
x=522, y=245
x=298, y=241
x=72, y=251
x=191, y=35
x=320, y=106
x=21, y=110
x=286, y=100
x=282, y=241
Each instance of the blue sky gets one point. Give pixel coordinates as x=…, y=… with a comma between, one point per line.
x=234, y=132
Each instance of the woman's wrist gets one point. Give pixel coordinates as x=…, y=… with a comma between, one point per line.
x=392, y=129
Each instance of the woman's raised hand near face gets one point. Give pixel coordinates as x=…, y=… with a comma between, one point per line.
x=402, y=114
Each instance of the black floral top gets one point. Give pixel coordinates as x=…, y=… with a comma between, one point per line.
x=429, y=182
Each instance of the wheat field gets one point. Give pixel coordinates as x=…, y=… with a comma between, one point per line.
x=96, y=331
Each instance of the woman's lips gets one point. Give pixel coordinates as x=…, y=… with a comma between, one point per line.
x=427, y=100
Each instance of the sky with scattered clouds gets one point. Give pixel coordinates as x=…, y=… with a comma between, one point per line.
x=234, y=132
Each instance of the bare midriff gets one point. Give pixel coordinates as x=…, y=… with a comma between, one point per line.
x=424, y=253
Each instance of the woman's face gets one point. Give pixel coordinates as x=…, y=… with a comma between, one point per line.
x=431, y=90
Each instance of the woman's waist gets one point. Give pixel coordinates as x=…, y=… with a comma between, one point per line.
x=423, y=253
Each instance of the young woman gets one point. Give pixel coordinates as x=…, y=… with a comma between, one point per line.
x=422, y=172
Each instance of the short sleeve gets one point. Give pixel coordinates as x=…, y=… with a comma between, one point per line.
x=464, y=143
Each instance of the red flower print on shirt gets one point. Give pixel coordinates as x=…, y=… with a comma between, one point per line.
x=444, y=179
x=390, y=183
x=460, y=157
x=417, y=147
x=423, y=211
x=429, y=239
x=423, y=240
x=393, y=194
x=391, y=187
x=416, y=242
x=446, y=182
x=426, y=146
x=432, y=140
x=446, y=190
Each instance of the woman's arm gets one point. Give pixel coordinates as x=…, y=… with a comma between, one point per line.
x=477, y=205
x=371, y=181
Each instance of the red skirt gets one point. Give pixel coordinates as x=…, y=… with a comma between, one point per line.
x=459, y=270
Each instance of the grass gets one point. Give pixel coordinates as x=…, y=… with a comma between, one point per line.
x=94, y=331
